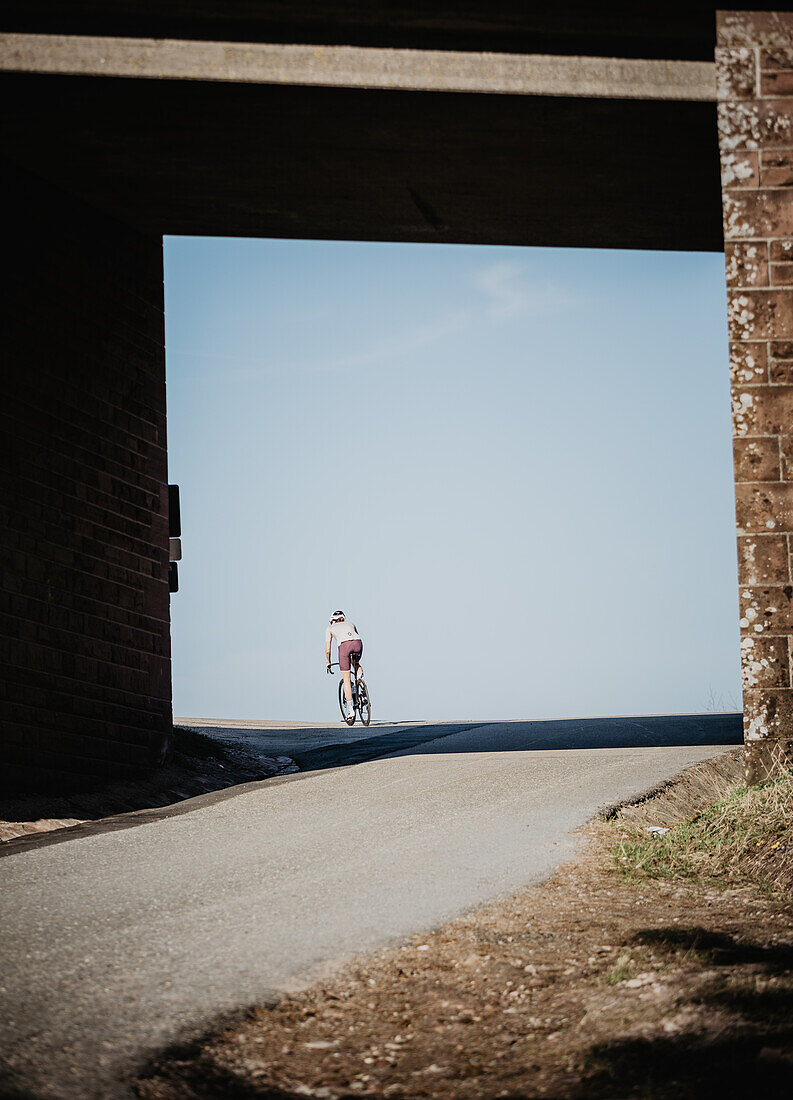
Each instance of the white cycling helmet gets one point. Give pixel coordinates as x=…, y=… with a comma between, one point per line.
x=337, y=617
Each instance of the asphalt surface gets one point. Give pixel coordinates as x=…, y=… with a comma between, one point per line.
x=316, y=747
x=118, y=943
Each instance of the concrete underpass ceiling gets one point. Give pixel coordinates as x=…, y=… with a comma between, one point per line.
x=186, y=157
x=674, y=30
x=178, y=156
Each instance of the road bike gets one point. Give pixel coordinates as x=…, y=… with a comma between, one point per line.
x=360, y=694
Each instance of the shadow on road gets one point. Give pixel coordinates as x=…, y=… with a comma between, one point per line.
x=572, y=733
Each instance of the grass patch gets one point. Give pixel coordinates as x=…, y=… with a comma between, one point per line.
x=744, y=837
x=623, y=969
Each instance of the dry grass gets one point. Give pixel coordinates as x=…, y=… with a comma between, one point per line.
x=684, y=795
x=744, y=837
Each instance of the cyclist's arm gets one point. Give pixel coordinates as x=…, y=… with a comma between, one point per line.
x=328, y=639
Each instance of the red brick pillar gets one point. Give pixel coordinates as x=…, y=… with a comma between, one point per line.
x=754, y=60
x=85, y=682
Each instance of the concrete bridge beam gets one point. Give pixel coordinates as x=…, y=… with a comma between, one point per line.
x=359, y=67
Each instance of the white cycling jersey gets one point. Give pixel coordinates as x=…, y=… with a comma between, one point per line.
x=341, y=632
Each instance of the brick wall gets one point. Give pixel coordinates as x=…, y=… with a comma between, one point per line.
x=755, y=75
x=84, y=605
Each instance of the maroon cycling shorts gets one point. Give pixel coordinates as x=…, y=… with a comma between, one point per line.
x=345, y=649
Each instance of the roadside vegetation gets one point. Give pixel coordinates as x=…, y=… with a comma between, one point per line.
x=745, y=837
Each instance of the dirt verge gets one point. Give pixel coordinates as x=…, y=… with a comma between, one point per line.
x=197, y=765
x=591, y=985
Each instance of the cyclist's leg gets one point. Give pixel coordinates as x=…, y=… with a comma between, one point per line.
x=344, y=666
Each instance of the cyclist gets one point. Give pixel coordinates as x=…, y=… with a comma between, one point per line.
x=349, y=642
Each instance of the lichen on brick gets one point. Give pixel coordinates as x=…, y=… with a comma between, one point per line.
x=740, y=126
x=741, y=316
x=747, y=363
x=736, y=220
x=737, y=168
x=742, y=413
x=754, y=28
x=735, y=73
x=746, y=263
x=754, y=669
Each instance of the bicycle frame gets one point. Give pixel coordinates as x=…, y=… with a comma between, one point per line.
x=353, y=678
x=360, y=700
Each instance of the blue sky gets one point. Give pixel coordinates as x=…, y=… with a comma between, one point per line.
x=510, y=466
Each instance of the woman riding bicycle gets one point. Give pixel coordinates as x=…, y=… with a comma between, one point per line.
x=350, y=644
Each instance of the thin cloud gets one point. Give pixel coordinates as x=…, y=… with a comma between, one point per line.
x=507, y=294
x=510, y=294
x=398, y=345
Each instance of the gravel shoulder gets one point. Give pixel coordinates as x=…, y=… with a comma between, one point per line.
x=197, y=765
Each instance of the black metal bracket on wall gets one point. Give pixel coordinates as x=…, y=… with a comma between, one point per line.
x=174, y=540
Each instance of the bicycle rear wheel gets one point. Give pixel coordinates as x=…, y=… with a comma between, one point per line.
x=364, y=703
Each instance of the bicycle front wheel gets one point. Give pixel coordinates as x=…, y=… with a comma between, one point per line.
x=364, y=703
x=343, y=704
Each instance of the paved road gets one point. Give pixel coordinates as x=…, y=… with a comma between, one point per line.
x=316, y=746
x=115, y=944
